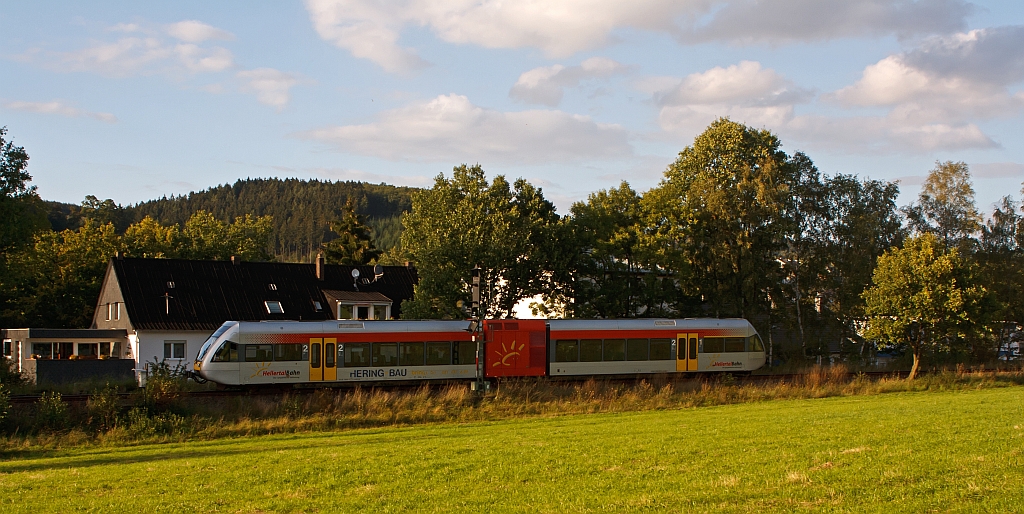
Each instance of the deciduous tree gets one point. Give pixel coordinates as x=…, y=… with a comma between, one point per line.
x=925, y=297
x=466, y=220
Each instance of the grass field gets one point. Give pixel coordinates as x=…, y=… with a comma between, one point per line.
x=904, y=452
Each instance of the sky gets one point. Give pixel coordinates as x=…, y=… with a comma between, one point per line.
x=138, y=100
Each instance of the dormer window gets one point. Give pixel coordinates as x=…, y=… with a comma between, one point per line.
x=274, y=307
x=317, y=306
x=272, y=287
x=170, y=284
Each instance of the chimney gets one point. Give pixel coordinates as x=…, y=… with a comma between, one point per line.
x=236, y=260
x=320, y=265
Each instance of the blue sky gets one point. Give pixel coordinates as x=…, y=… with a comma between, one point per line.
x=137, y=100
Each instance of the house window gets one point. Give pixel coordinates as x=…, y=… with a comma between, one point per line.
x=7, y=348
x=272, y=287
x=105, y=349
x=88, y=350
x=170, y=284
x=274, y=307
x=344, y=311
x=117, y=311
x=364, y=311
x=108, y=311
x=317, y=306
x=174, y=349
x=42, y=350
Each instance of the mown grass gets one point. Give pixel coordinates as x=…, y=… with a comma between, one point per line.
x=162, y=415
x=944, y=451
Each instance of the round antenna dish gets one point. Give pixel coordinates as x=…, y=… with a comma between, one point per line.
x=378, y=270
x=355, y=273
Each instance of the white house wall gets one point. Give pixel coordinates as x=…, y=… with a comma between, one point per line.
x=148, y=346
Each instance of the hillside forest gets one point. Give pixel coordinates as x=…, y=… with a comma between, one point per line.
x=736, y=228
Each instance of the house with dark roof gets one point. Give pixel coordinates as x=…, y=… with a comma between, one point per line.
x=168, y=307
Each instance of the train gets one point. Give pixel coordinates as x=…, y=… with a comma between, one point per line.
x=242, y=353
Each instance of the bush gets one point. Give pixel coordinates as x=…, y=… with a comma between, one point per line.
x=163, y=387
x=5, y=402
x=52, y=413
x=104, y=406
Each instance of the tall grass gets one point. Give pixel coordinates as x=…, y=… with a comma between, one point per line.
x=163, y=415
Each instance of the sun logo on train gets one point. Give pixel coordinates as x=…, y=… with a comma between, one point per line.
x=508, y=352
x=260, y=368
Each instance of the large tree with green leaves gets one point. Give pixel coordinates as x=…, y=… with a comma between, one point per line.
x=22, y=214
x=927, y=298
x=466, y=220
x=720, y=216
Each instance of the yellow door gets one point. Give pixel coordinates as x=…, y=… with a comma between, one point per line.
x=686, y=352
x=330, y=359
x=691, y=357
x=316, y=353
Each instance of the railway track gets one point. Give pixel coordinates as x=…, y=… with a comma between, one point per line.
x=278, y=391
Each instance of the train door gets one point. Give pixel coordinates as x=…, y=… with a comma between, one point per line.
x=686, y=352
x=330, y=364
x=316, y=359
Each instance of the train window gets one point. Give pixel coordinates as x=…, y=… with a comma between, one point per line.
x=567, y=350
x=314, y=357
x=328, y=355
x=259, y=353
x=288, y=352
x=754, y=344
x=228, y=352
x=385, y=354
x=590, y=350
x=410, y=354
x=357, y=355
x=735, y=344
x=661, y=349
x=712, y=345
x=614, y=349
x=636, y=349
x=439, y=353
x=466, y=353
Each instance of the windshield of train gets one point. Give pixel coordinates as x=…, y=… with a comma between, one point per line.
x=213, y=338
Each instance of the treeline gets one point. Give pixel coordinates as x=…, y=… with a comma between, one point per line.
x=302, y=211
x=736, y=228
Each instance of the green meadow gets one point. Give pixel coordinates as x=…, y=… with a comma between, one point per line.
x=951, y=451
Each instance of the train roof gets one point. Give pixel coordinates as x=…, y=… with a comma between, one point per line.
x=649, y=324
x=334, y=326
x=292, y=327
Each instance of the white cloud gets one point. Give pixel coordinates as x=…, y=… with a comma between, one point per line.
x=781, y=21
x=371, y=29
x=374, y=178
x=998, y=170
x=61, y=109
x=270, y=86
x=878, y=134
x=146, y=51
x=546, y=85
x=195, y=31
x=745, y=92
x=450, y=128
x=934, y=94
x=203, y=60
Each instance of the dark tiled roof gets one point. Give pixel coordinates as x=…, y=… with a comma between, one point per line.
x=208, y=293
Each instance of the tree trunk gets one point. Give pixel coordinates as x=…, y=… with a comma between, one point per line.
x=917, y=360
